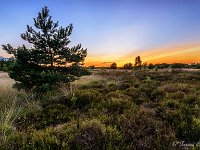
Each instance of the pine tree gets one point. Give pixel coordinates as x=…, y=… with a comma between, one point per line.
x=49, y=61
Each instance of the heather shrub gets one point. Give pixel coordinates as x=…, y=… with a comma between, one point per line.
x=86, y=97
x=124, y=86
x=91, y=136
x=183, y=115
x=144, y=131
x=112, y=85
x=136, y=95
x=97, y=84
x=175, y=87
x=95, y=135
x=40, y=140
x=157, y=95
x=116, y=102
x=50, y=115
x=176, y=95
x=113, y=138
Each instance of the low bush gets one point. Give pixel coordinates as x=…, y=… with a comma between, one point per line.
x=91, y=136
x=144, y=131
x=173, y=87
x=51, y=115
x=116, y=102
x=176, y=95
x=183, y=115
x=40, y=140
x=95, y=135
x=86, y=97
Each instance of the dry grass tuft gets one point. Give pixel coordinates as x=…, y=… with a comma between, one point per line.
x=6, y=84
x=9, y=106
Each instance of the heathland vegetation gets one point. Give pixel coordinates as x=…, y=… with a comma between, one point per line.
x=53, y=106
x=110, y=109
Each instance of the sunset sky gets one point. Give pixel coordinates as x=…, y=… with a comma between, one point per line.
x=115, y=30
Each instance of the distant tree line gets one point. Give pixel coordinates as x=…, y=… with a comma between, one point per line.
x=174, y=66
x=139, y=65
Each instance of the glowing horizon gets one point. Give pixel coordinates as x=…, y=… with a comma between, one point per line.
x=188, y=54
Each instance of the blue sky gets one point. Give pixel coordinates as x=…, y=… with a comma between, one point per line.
x=110, y=29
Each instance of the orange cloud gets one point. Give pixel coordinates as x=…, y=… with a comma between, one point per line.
x=182, y=54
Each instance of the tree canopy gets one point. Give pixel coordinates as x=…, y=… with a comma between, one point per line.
x=49, y=61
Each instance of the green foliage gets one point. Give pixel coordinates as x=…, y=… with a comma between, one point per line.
x=86, y=97
x=40, y=140
x=116, y=102
x=91, y=135
x=50, y=61
x=74, y=100
x=95, y=135
x=145, y=131
x=4, y=65
x=172, y=88
x=134, y=109
x=50, y=115
x=183, y=115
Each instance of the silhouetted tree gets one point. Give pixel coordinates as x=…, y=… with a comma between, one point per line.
x=113, y=66
x=151, y=66
x=138, y=62
x=128, y=66
x=50, y=60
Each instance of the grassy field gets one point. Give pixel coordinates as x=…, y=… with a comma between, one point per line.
x=110, y=109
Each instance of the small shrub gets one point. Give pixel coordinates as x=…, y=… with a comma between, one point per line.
x=157, y=95
x=176, y=95
x=86, y=97
x=41, y=140
x=145, y=131
x=117, y=102
x=112, y=85
x=97, y=84
x=172, y=88
x=183, y=116
x=95, y=135
x=113, y=138
x=91, y=136
x=51, y=115
x=125, y=85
